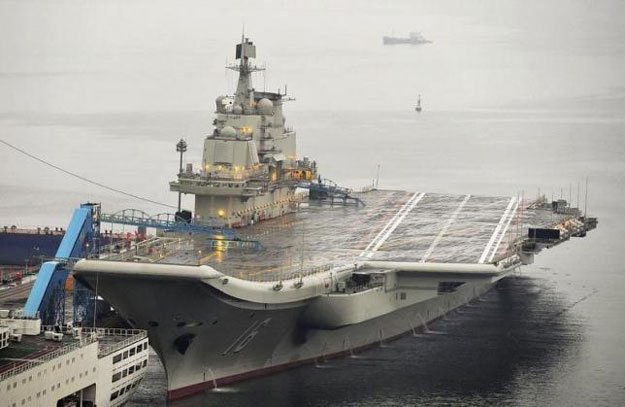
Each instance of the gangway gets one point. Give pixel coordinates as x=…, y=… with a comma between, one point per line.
x=47, y=296
x=326, y=191
x=169, y=222
x=213, y=229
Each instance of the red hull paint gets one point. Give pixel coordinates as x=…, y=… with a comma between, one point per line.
x=200, y=387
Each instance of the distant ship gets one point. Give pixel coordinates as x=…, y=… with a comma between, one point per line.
x=418, y=107
x=218, y=312
x=26, y=246
x=415, y=38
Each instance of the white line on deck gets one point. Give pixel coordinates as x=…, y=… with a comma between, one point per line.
x=491, y=241
x=438, y=238
x=503, y=233
x=392, y=225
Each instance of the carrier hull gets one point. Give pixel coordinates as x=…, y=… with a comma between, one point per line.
x=206, y=338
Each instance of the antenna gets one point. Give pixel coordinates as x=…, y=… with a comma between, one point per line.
x=586, y=200
x=570, y=198
x=95, y=299
x=377, y=178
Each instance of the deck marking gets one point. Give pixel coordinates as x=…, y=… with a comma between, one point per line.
x=392, y=225
x=491, y=241
x=451, y=220
x=503, y=233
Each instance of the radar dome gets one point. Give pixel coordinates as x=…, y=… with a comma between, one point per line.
x=237, y=109
x=228, y=131
x=264, y=106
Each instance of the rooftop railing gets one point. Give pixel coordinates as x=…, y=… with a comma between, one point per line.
x=23, y=367
x=132, y=336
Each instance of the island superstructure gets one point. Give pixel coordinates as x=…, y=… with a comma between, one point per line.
x=323, y=281
x=250, y=167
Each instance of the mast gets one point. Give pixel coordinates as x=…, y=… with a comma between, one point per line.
x=244, y=95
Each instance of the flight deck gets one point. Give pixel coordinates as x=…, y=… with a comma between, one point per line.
x=396, y=226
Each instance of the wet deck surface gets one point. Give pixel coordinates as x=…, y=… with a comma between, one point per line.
x=394, y=225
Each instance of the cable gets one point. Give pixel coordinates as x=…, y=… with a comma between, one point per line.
x=80, y=177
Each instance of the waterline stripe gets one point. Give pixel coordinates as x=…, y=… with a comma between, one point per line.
x=491, y=241
x=438, y=238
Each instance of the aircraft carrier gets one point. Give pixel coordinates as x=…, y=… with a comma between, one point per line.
x=297, y=269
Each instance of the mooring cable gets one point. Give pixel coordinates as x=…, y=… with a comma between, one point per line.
x=80, y=177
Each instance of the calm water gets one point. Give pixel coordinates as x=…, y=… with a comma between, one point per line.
x=517, y=95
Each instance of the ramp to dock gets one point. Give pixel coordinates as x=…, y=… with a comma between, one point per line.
x=54, y=273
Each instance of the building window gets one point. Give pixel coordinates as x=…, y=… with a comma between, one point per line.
x=117, y=358
x=117, y=376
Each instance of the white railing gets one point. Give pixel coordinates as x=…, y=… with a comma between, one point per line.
x=134, y=335
x=22, y=367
